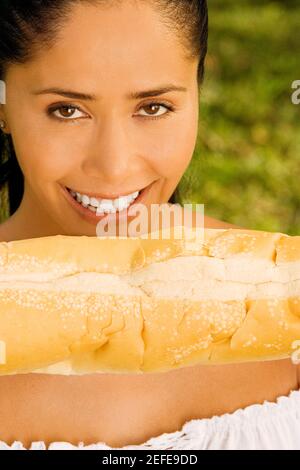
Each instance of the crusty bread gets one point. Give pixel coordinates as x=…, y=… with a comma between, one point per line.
x=76, y=305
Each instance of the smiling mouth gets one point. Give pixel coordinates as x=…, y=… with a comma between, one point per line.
x=101, y=207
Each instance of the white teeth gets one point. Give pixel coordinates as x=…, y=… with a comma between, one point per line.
x=78, y=197
x=85, y=200
x=94, y=202
x=106, y=210
x=104, y=205
x=122, y=202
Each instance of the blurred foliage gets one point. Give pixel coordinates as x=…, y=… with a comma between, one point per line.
x=245, y=168
x=4, y=203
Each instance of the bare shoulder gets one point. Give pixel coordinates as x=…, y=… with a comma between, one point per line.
x=209, y=222
x=298, y=375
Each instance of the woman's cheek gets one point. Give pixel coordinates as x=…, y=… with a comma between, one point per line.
x=48, y=159
x=176, y=153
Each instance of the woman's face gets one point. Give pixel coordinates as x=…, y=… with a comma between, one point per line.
x=113, y=142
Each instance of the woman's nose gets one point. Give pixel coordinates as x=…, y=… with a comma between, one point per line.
x=110, y=153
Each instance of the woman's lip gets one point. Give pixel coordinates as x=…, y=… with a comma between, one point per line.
x=104, y=197
x=91, y=217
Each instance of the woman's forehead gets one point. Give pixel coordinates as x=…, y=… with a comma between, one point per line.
x=119, y=35
x=122, y=46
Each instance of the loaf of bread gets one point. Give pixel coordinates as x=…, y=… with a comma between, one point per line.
x=79, y=304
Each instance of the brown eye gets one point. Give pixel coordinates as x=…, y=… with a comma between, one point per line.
x=66, y=111
x=152, y=110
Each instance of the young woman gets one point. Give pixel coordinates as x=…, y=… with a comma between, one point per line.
x=102, y=98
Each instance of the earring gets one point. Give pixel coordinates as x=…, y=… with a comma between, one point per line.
x=2, y=124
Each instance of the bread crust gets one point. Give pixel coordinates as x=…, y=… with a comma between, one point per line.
x=76, y=305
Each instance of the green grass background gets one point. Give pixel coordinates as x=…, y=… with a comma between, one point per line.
x=245, y=168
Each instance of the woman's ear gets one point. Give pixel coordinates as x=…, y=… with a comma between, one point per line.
x=3, y=121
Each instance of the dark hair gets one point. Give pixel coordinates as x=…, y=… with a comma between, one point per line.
x=26, y=27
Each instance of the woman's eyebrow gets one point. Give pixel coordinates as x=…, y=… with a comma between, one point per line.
x=133, y=96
